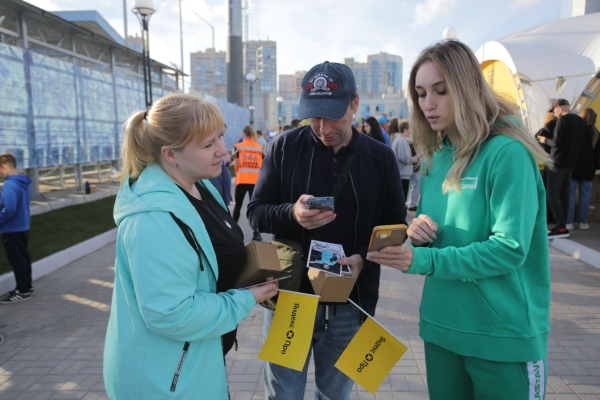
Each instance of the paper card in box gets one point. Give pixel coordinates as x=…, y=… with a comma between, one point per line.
x=261, y=262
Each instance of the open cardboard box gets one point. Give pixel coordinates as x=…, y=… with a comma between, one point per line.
x=333, y=288
x=261, y=263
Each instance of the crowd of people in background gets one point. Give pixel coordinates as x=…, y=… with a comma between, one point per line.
x=572, y=141
x=397, y=134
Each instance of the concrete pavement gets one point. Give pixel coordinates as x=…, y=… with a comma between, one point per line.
x=54, y=342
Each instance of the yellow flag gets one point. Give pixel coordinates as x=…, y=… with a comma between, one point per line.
x=371, y=355
x=289, y=338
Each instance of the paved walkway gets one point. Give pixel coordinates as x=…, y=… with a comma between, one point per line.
x=54, y=342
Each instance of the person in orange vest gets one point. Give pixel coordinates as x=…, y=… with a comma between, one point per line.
x=248, y=160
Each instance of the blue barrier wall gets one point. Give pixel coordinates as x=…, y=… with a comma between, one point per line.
x=56, y=112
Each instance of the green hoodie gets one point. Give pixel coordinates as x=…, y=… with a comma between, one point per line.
x=487, y=291
x=163, y=297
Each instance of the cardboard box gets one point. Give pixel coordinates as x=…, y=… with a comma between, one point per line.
x=332, y=288
x=261, y=263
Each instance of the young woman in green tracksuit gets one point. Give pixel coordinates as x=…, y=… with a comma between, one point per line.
x=480, y=235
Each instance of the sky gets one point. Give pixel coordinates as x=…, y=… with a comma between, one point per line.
x=308, y=32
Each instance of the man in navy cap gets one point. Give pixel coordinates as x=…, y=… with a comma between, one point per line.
x=306, y=162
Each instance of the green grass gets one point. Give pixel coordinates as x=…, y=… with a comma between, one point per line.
x=60, y=229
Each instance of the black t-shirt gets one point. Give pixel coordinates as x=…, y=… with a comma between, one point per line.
x=225, y=234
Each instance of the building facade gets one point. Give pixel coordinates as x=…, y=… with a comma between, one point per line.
x=382, y=73
x=291, y=83
x=208, y=72
x=260, y=57
x=576, y=8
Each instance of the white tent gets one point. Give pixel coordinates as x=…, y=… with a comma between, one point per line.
x=556, y=59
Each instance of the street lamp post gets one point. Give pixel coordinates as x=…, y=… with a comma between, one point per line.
x=279, y=101
x=251, y=108
x=251, y=78
x=144, y=10
x=450, y=33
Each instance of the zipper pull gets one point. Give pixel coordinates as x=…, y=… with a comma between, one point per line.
x=326, y=317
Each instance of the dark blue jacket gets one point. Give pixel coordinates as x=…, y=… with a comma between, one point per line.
x=375, y=181
x=223, y=182
x=14, y=204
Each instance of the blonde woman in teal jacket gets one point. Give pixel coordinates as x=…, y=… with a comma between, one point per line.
x=480, y=236
x=164, y=334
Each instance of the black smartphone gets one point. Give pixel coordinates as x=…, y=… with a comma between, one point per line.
x=320, y=203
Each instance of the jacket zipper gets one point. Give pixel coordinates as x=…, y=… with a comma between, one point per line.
x=356, y=239
x=186, y=345
x=178, y=370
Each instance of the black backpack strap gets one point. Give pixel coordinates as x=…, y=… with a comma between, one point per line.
x=342, y=177
x=190, y=237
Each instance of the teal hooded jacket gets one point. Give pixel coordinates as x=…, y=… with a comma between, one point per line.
x=164, y=296
x=487, y=286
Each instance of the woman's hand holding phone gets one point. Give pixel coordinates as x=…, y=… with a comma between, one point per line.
x=398, y=257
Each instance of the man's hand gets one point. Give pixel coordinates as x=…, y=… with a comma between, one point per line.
x=355, y=262
x=311, y=219
x=398, y=257
x=542, y=139
x=422, y=230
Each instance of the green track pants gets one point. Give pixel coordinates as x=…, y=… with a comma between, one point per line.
x=451, y=376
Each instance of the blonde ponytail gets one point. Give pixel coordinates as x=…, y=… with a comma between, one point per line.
x=172, y=121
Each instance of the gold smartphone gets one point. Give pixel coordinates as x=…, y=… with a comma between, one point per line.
x=387, y=235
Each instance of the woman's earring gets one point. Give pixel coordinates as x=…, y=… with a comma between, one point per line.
x=174, y=165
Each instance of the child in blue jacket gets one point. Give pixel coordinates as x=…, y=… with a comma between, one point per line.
x=14, y=225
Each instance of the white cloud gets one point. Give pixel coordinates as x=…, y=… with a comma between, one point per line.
x=427, y=11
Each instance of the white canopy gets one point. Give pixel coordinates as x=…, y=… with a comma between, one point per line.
x=568, y=47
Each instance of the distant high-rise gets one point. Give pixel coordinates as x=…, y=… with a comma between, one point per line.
x=135, y=43
x=575, y=8
x=291, y=83
x=208, y=71
x=260, y=57
x=382, y=73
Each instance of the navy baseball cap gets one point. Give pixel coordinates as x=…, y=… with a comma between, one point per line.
x=326, y=91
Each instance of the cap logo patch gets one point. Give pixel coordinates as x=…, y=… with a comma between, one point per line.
x=321, y=84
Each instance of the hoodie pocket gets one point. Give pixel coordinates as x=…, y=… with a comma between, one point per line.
x=457, y=305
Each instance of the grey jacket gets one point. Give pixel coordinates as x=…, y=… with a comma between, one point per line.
x=401, y=149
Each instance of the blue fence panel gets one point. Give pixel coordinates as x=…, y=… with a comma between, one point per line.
x=56, y=112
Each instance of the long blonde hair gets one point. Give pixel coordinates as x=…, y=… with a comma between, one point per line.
x=172, y=121
x=479, y=113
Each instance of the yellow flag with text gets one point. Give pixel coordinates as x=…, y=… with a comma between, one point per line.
x=371, y=355
x=289, y=338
